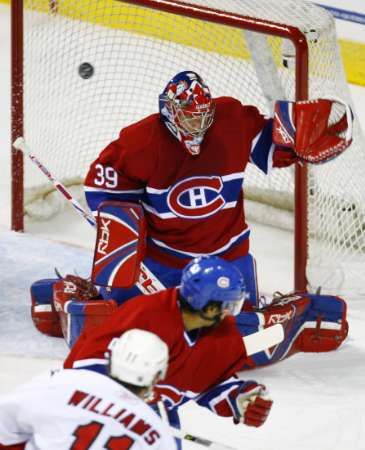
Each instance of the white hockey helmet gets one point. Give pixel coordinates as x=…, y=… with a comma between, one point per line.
x=138, y=357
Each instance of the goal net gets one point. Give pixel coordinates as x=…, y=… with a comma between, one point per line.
x=89, y=67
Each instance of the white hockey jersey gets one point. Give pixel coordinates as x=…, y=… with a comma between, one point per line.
x=83, y=410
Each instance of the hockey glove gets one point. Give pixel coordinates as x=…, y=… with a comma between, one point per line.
x=307, y=127
x=253, y=404
x=80, y=288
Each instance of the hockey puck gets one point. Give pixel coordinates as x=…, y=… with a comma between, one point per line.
x=86, y=70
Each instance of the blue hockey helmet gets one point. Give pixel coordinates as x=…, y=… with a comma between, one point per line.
x=210, y=278
x=186, y=106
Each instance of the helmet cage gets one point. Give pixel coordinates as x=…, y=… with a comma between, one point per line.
x=186, y=104
x=189, y=120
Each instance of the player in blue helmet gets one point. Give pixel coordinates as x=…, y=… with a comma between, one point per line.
x=210, y=281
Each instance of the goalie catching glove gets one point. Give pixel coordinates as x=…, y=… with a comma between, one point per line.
x=45, y=313
x=308, y=129
x=81, y=288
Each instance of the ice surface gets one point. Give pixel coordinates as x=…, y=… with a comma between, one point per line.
x=319, y=400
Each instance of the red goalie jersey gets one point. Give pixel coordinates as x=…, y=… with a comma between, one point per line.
x=193, y=204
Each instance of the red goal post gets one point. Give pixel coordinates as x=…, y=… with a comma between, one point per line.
x=234, y=44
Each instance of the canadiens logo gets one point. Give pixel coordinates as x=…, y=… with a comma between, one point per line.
x=223, y=282
x=196, y=197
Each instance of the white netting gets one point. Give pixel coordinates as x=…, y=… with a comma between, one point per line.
x=134, y=51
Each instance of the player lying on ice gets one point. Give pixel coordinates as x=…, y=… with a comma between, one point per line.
x=205, y=346
x=79, y=409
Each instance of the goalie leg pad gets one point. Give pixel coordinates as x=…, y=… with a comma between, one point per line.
x=325, y=327
x=77, y=316
x=312, y=323
x=120, y=244
x=85, y=316
x=289, y=311
x=44, y=315
x=318, y=323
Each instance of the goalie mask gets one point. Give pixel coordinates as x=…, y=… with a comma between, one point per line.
x=187, y=109
x=209, y=278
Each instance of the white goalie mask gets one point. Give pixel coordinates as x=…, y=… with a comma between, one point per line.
x=138, y=357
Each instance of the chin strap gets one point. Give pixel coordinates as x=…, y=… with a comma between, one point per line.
x=216, y=320
x=190, y=143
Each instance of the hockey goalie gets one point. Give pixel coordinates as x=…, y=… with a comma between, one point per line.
x=169, y=189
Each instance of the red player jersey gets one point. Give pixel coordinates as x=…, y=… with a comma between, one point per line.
x=196, y=363
x=193, y=204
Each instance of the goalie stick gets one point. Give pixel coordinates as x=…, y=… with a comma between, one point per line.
x=146, y=274
x=203, y=442
x=254, y=343
x=183, y=435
